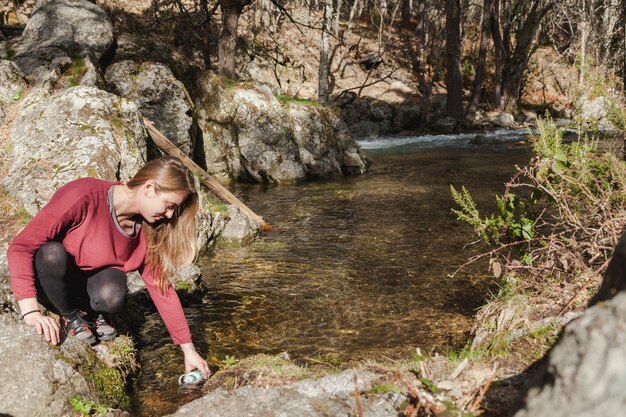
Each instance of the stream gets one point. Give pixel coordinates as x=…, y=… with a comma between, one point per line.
x=353, y=268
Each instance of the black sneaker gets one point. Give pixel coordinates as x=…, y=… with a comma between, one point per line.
x=80, y=329
x=104, y=329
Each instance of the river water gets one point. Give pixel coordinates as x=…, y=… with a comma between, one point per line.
x=352, y=268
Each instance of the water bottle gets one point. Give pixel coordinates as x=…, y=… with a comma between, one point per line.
x=190, y=378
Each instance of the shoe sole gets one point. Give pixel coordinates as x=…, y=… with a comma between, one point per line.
x=107, y=338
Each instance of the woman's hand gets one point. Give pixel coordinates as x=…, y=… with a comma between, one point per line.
x=194, y=361
x=46, y=326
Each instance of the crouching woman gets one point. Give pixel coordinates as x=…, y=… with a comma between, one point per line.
x=74, y=254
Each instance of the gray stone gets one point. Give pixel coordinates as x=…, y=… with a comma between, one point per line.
x=37, y=380
x=328, y=396
x=365, y=129
x=444, y=125
x=501, y=119
x=324, y=143
x=76, y=133
x=238, y=230
x=586, y=371
x=593, y=109
x=59, y=29
x=381, y=110
x=12, y=86
x=249, y=134
x=12, y=81
x=160, y=96
x=408, y=117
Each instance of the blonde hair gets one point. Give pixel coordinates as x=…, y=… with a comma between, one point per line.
x=172, y=243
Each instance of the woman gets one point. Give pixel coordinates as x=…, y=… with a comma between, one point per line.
x=74, y=254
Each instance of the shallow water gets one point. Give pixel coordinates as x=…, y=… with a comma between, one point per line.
x=352, y=268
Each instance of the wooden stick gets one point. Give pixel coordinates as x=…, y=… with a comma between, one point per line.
x=357, y=395
x=216, y=188
x=474, y=407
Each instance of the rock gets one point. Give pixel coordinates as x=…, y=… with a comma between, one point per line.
x=59, y=29
x=328, y=396
x=444, y=125
x=249, y=134
x=7, y=300
x=501, y=119
x=77, y=132
x=381, y=110
x=12, y=86
x=593, y=109
x=12, y=81
x=93, y=76
x=238, y=230
x=39, y=381
x=586, y=370
x=326, y=148
x=160, y=96
x=408, y=117
x=365, y=129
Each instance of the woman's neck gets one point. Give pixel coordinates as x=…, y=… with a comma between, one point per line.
x=125, y=207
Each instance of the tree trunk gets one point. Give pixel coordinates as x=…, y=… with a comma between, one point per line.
x=454, y=105
x=515, y=66
x=499, y=53
x=624, y=43
x=407, y=6
x=482, y=57
x=231, y=10
x=584, y=33
x=322, y=92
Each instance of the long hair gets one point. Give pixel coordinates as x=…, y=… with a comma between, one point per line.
x=172, y=243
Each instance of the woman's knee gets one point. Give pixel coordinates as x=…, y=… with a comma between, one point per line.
x=107, y=291
x=51, y=255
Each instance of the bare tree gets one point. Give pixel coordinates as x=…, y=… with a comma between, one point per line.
x=322, y=92
x=485, y=34
x=231, y=11
x=514, y=35
x=454, y=105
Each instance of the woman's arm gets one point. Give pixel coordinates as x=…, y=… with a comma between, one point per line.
x=194, y=361
x=46, y=326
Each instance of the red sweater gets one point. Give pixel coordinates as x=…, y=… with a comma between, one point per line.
x=78, y=216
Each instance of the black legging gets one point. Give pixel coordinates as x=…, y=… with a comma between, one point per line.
x=67, y=287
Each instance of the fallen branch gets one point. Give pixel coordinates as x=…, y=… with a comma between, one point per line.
x=216, y=188
x=474, y=407
x=357, y=395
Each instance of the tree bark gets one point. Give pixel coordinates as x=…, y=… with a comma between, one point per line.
x=515, y=66
x=231, y=10
x=482, y=57
x=499, y=53
x=454, y=105
x=322, y=92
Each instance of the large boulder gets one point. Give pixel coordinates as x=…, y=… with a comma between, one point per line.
x=160, y=97
x=326, y=148
x=38, y=381
x=249, y=134
x=586, y=372
x=58, y=30
x=78, y=132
